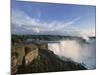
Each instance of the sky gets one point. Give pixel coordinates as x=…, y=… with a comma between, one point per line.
x=52, y=18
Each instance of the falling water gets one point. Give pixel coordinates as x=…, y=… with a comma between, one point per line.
x=77, y=50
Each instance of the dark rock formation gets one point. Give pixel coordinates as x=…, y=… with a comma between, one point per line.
x=47, y=61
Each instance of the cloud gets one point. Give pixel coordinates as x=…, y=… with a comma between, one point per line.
x=63, y=25
x=88, y=33
x=21, y=18
x=24, y=24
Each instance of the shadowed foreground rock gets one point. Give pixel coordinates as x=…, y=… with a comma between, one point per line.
x=47, y=61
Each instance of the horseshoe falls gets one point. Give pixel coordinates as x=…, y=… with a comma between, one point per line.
x=77, y=50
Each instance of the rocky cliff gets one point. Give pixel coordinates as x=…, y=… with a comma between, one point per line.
x=47, y=61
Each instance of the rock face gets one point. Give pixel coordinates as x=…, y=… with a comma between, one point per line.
x=37, y=59
x=19, y=50
x=17, y=54
x=47, y=61
x=31, y=53
x=22, y=54
x=14, y=61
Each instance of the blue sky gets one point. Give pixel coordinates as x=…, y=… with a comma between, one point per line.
x=32, y=17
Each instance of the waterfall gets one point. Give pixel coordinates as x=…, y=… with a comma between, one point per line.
x=55, y=47
x=70, y=49
x=85, y=38
x=78, y=51
x=66, y=48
